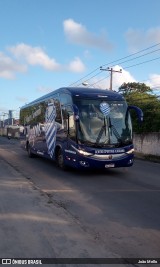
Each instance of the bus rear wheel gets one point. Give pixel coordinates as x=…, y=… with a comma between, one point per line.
x=60, y=159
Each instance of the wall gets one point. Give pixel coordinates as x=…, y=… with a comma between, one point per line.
x=3, y=131
x=148, y=143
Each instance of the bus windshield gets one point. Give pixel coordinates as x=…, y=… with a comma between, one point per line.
x=103, y=123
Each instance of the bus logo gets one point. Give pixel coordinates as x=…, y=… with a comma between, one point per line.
x=105, y=108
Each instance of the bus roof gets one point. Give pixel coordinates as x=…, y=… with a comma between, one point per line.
x=81, y=92
x=95, y=92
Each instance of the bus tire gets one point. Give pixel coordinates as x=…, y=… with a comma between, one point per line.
x=60, y=159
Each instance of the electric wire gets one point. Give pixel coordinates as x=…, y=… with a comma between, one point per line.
x=127, y=67
x=137, y=64
x=118, y=62
x=141, y=63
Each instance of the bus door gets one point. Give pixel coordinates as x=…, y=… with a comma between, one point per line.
x=69, y=125
x=52, y=126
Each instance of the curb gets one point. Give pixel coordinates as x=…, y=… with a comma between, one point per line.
x=148, y=157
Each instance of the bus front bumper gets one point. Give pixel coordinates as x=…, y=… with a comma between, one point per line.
x=90, y=163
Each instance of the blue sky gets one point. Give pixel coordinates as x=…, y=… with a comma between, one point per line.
x=47, y=44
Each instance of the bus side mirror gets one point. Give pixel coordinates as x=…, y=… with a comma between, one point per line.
x=138, y=111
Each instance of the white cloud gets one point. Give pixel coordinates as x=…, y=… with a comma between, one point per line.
x=154, y=81
x=8, y=67
x=76, y=65
x=34, y=56
x=23, y=55
x=120, y=78
x=77, y=33
x=139, y=38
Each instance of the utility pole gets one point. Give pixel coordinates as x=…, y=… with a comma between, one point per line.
x=111, y=77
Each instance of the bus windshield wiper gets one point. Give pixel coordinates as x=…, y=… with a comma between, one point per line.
x=103, y=129
x=114, y=130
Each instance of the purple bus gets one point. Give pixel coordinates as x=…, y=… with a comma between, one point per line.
x=84, y=128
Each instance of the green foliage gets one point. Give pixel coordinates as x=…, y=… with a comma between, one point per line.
x=141, y=95
x=128, y=88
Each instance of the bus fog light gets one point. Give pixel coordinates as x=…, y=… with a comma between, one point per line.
x=84, y=163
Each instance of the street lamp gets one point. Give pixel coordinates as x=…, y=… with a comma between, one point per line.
x=85, y=83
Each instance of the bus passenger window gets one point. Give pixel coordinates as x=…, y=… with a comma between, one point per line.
x=65, y=118
x=58, y=111
x=71, y=122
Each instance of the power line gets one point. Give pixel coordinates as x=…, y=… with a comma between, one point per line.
x=137, y=64
x=91, y=77
x=99, y=80
x=84, y=77
x=142, y=63
x=132, y=54
x=117, y=63
x=111, y=77
x=139, y=56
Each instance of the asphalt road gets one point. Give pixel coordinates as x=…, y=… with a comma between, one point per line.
x=46, y=212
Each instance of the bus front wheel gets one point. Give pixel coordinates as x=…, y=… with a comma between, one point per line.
x=60, y=159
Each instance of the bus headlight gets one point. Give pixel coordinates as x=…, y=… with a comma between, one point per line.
x=82, y=152
x=130, y=151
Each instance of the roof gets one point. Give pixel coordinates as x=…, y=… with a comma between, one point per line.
x=87, y=91
x=81, y=91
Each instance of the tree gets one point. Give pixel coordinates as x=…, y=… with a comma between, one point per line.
x=141, y=95
x=127, y=88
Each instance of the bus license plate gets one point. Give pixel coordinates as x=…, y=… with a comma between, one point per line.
x=111, y=165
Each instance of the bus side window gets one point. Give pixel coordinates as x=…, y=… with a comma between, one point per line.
x=58, y=112
x=71, y=123
x=66, y=99
x=65, y=118
x=55, y=103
